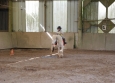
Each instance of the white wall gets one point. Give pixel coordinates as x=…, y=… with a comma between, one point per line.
x=41, y=40
x=98, y=41
x=5, y=40
x=31, y=40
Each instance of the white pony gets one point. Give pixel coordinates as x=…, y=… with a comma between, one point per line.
x=60, y=45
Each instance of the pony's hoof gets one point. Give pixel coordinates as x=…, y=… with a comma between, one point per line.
x=51, y=54
x=61, y=56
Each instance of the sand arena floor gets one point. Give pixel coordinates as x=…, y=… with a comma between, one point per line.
x=37, y=66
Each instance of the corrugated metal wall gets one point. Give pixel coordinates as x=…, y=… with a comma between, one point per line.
x=41, y=14
x=49, y=16
x=72, y=13
x=90, y=18
x=98, y=13
x=19, y=18
x=45, y=16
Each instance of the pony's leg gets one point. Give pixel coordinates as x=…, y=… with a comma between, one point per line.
x=59, y=51
x=62, y=47
x=51, y=49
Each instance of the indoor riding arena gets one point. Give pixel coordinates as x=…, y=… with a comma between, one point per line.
x=28, y=53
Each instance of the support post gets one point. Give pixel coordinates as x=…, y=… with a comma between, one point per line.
x=10, y=27
x=80, y=25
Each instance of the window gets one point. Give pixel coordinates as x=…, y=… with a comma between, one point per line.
x=111, y=15
x=4, y=11
x=101, y=14
x=32, y=16
x=60, y=14
x=3, y=19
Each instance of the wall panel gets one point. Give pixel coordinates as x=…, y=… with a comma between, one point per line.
x=5, y=40
x=72, y=11
x=87, y=41
x=49, y=16
x=41, y=15
x=19, y=17
x=28, y=40
x=14, y=39
x=98, y=41
x=42, y=40
x=110, y=41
